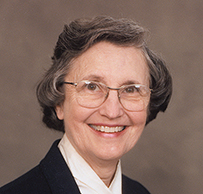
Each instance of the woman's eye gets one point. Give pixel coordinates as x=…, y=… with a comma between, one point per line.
x=131, y=89
x=92, y=86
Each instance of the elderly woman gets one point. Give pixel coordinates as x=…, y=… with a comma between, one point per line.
x=103, y=87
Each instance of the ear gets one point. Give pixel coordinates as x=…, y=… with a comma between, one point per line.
x=59, y=112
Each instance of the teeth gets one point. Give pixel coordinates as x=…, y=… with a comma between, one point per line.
x=107, y=129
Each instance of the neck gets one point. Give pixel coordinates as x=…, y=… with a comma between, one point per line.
x=105, y=170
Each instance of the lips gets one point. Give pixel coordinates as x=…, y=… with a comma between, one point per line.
x=107, y=129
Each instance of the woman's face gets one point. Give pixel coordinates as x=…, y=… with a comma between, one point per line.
x=114, y=66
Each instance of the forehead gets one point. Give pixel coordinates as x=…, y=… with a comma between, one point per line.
x=110, y=63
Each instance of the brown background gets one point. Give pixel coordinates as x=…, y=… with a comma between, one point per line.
x=168, y=157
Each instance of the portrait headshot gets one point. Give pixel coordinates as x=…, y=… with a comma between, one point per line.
x=92, y=90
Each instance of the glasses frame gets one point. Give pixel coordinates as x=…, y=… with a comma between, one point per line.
x=148, y=91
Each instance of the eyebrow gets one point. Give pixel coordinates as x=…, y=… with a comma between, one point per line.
x=130, y=82
x=93, y=77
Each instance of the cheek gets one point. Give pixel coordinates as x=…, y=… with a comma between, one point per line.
x=138, y=123
x=138, y=118
x=76, y=128
x=75, y=116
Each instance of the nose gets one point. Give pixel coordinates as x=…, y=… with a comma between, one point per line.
x=112, y=107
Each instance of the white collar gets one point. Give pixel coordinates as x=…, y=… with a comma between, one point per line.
x=87, y=180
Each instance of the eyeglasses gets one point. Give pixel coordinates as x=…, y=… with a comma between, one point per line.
x=92, y=94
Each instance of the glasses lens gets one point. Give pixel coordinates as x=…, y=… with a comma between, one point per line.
x=134, y=97
x=91, y=94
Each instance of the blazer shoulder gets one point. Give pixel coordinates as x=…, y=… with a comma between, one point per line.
x=31, y=182
x=133, y=187
x=52, y=175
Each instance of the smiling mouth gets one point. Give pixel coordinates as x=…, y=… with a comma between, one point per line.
x=106, y=129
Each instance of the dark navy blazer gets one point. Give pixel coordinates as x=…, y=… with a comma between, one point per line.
x=52, y=176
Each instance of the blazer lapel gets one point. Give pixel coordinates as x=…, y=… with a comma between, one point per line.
x=132, y=187
x=57, y=173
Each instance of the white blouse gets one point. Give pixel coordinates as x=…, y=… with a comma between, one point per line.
x=87, y=180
